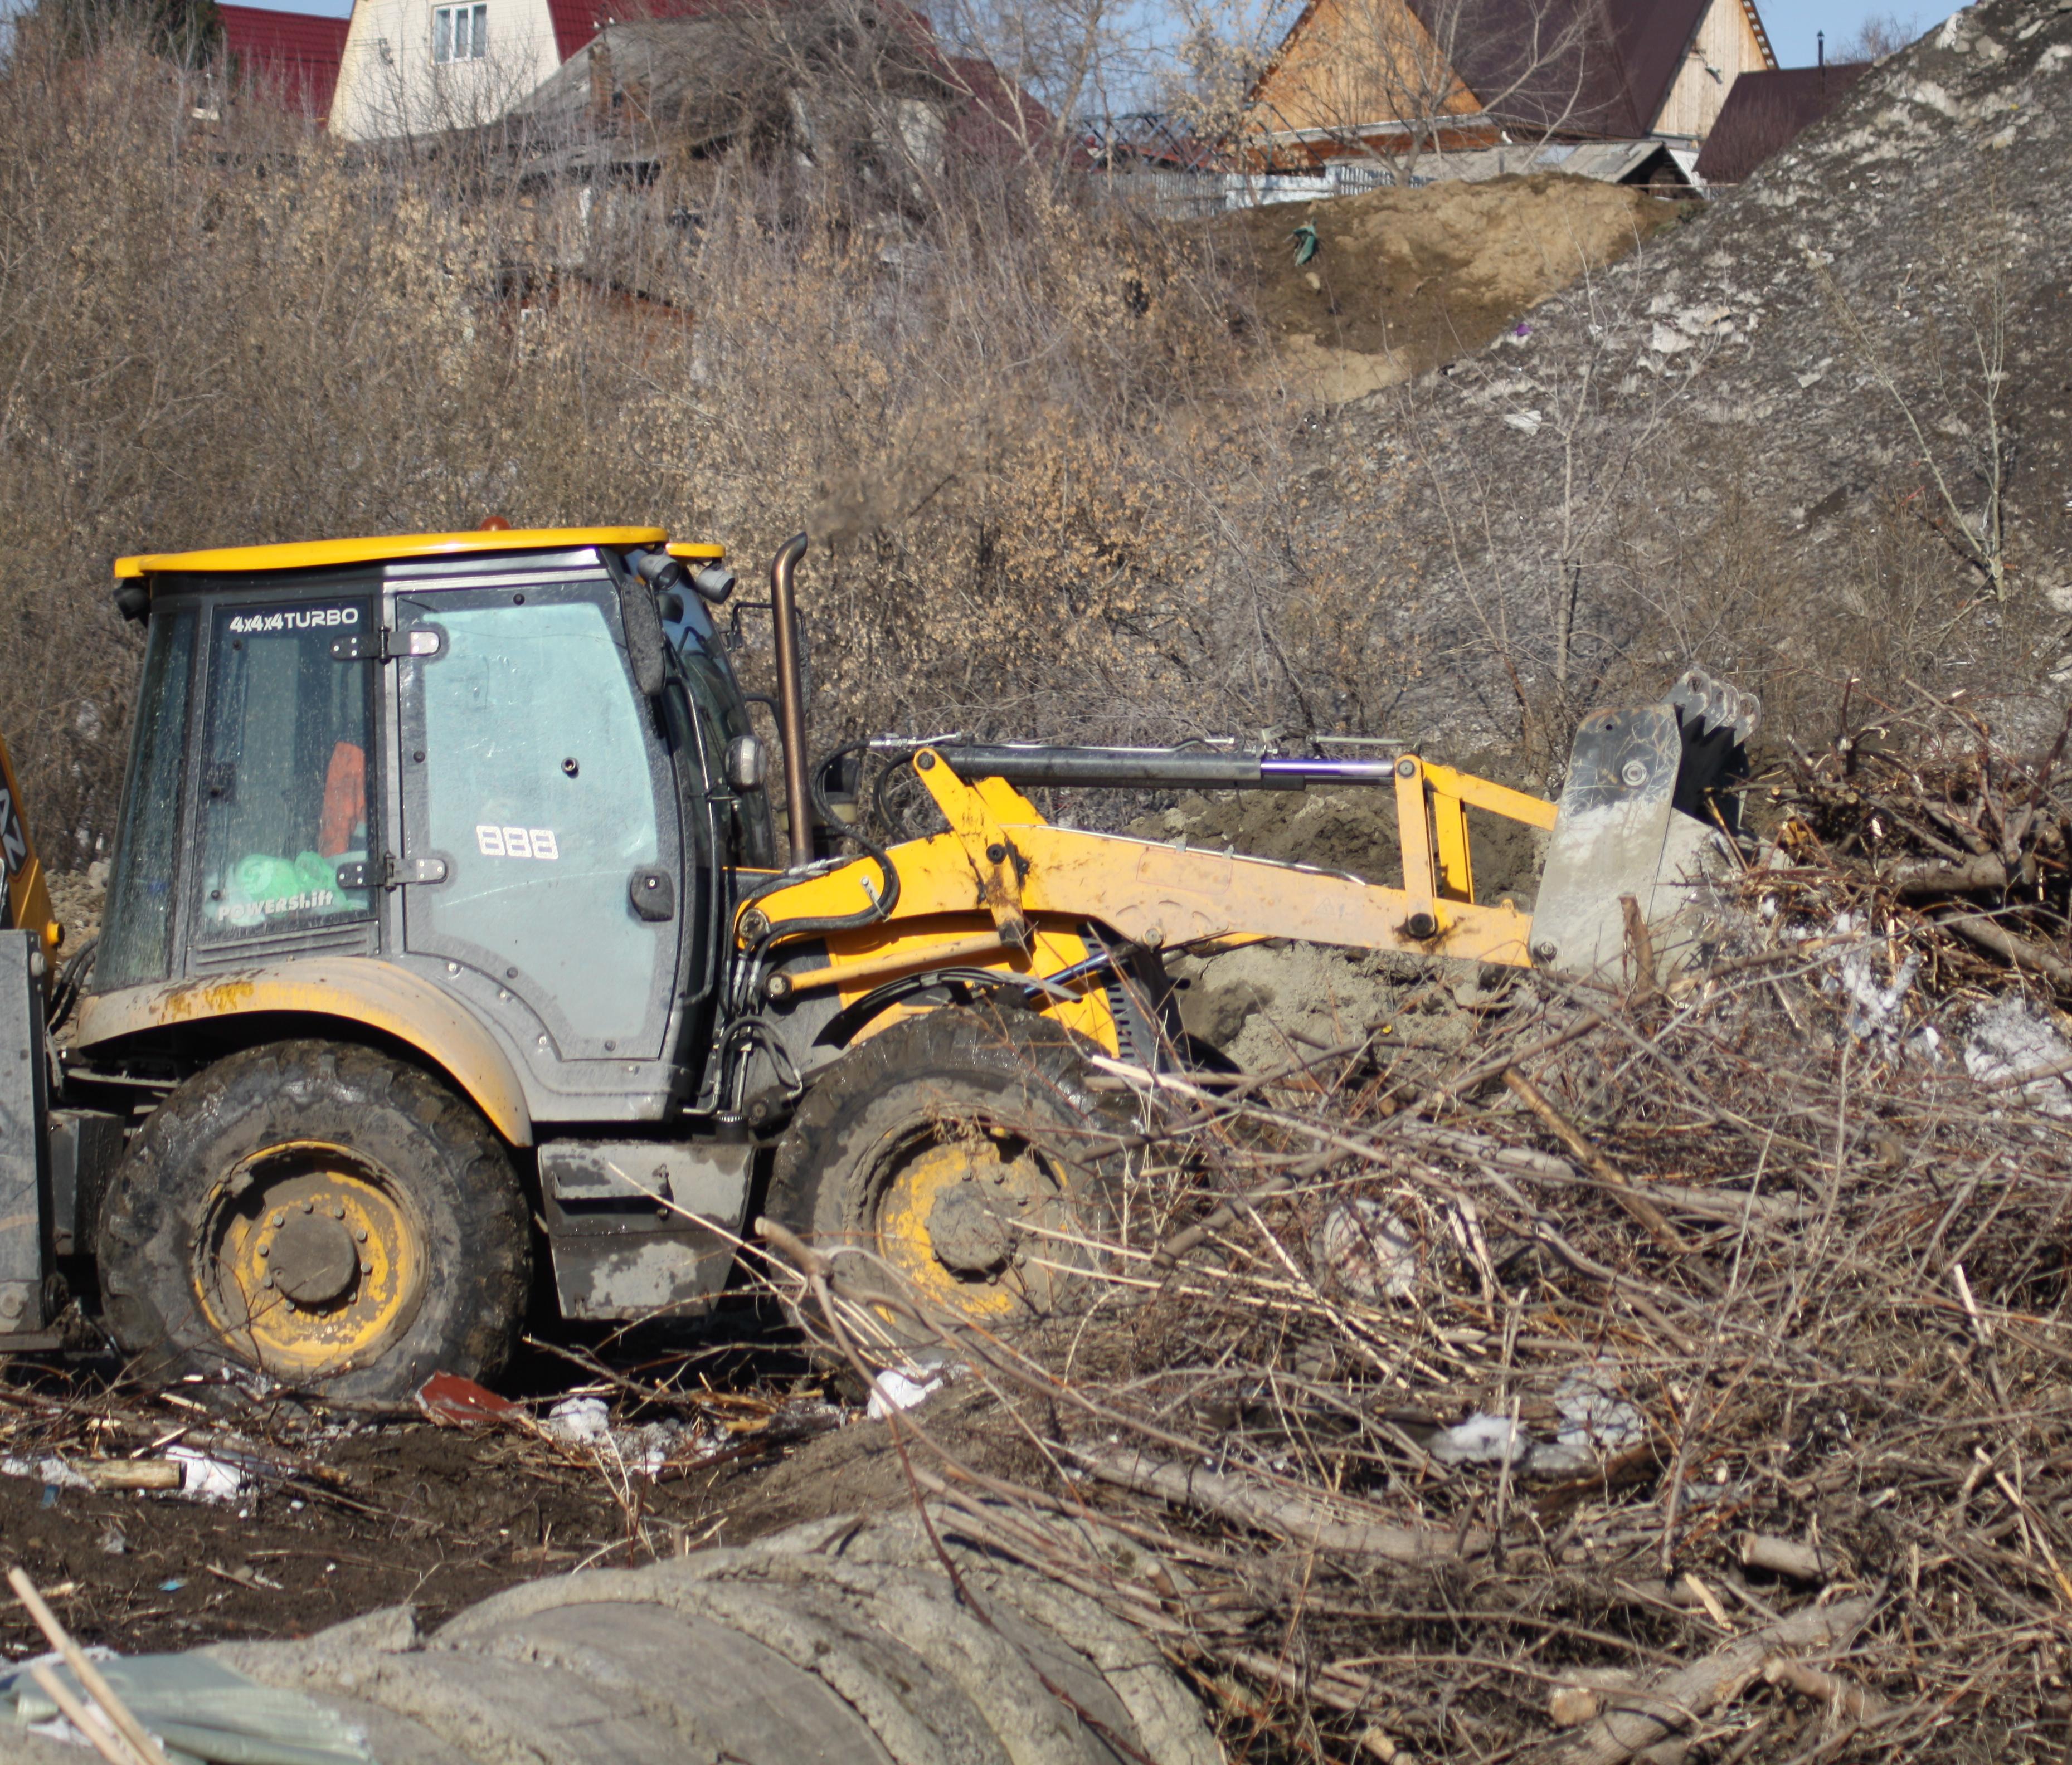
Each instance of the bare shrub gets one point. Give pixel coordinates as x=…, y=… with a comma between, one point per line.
x=1051, y=477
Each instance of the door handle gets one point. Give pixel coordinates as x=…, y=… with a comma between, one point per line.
x=392, y=872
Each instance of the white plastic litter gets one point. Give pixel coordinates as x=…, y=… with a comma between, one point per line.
x=1592, y=1422
x=1877, y=1011
x=1365, y=1251
x=1482, y=1439
x=915, y=1380
x=892, y=1391
x=580, y=1420
x=46, y=1469
x=643, y=1450
x=2010, y=1037
x=205, y=1479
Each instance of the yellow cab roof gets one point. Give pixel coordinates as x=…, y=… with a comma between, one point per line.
x=313, y=554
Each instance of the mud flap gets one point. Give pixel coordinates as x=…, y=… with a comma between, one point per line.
x=1619, y=831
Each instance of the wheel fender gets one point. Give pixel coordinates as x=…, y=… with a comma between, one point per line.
x=350, y=989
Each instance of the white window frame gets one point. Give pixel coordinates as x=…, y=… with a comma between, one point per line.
x=460, y=33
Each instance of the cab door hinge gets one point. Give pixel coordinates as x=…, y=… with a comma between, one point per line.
x=392, y=872
x=380, y=645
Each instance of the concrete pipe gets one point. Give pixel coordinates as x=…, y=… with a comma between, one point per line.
x=844, y=1641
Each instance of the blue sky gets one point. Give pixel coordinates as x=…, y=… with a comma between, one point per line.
x=1791, y=23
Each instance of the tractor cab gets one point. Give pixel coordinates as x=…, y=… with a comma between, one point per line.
x=477, y=780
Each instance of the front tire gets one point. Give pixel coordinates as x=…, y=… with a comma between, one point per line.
x=966, y=1151
x=332, y=1217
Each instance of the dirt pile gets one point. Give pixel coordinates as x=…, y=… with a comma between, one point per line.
x=1819, y=432
x=1261, y=1005
x=1402, y=279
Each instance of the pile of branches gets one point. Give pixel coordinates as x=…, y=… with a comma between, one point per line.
x=1924, y=821
x=1679, y=1372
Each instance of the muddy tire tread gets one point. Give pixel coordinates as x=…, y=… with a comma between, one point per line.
x=475, y=1295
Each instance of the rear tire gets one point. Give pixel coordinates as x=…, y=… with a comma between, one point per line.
x=336, y=1219
x=964, y=1148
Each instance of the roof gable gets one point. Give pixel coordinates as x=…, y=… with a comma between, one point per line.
x=1764, y=113
x=1602, y=68
x=1585, y=66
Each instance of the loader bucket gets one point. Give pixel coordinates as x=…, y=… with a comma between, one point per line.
x=1643, y=814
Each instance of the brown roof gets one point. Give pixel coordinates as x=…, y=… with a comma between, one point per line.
x=1766, y=111
x=1600, y=67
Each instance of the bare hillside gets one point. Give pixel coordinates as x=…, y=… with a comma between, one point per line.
x=1817, y=433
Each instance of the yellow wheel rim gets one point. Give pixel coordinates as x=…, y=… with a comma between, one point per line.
x=966, y=1214
x=311, y=1260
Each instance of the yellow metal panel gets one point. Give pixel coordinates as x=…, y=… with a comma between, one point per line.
x=309, y=554
x=975, y=814
x=688, y=549
x=1449, y=833
x=1156, y=895
x=1007, y=804
x=1413, y=830
x=355, y=989
x=916, y=949
x=934, y=878
x=1498, y=799
x=28, y=896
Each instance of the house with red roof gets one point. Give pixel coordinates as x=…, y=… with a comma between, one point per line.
x=416, y=66
x=291, y=59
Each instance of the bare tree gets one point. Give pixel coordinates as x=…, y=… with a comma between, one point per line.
x=1880, y=35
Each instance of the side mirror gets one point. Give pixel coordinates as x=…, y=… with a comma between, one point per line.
x=748, y=763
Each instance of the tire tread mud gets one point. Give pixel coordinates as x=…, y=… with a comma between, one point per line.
x=407, y=1121
x=1020, y=1068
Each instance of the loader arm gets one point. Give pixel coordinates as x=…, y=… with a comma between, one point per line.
x=1007, y=890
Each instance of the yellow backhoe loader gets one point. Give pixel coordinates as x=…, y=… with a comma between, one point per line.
x=449, y=946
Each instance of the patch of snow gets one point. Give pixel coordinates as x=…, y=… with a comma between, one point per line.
x=2012, y=1037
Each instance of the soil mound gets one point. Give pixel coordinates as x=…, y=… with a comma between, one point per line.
x=1403, y=279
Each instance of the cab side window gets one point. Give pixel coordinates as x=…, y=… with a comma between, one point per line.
x=284, y=785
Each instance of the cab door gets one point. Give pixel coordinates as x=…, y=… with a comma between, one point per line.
x=541, y=848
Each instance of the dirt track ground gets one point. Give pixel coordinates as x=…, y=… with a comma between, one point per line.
x=405, y=1511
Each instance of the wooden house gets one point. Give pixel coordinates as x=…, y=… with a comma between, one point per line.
x=1402, y=78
